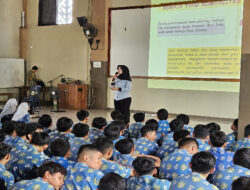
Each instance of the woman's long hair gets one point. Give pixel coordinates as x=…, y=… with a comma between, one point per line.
x=125, y=73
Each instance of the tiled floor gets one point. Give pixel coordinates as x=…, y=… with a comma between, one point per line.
x=194, y=120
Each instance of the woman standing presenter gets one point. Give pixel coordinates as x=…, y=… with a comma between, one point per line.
x=121, y=85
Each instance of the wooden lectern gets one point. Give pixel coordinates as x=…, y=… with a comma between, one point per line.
x=73, y=96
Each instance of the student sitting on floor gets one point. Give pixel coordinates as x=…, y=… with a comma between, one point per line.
x=232, y=137
x=134, y=128
x=60, y=152
x=10, y=134
x=115, y=115
x=170, y=148
x=154, y=123
x=46, y=122
x=143, y=176
x=242, y=183
x=218, y=141
x=86, y=173
x=162, y=116
x=22, y=113
x=213, y=127
x=185, y=119
x=146, y=144
x=176, y=163
x=83, y=116
x=224, y=178
x=98, y=125
x=202, y=164
x=105, y=145
x=112, y=181
x=4, y=158
x=201, y=134
x=243, y=143
x=50, y=177
x=81, y=132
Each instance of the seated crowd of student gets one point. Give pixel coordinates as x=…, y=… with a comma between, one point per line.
x=117, y=155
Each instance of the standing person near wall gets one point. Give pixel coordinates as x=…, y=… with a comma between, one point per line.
x=32, y=78
x=121, y=85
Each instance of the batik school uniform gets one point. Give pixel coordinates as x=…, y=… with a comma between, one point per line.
x=243, y=143
x=34, y=184
x=231, y=140
x=203, y=146
x=82, y=177
x=115, y=152
x=168, y=139
x=67, y=164
x=166, y=150
x=189, y=128
x=56, y=134
x=192, y=181
x=135, y=129
x=163, y=127
x=25, y=119
x=109, y=166
x=145, y=147
x=175, y=164
x=9, y=140
x=125, y=159
x=224, y=178
x=94, y=134
x=75, y=144
x=6, y=176
x=147, y=182
x=224, y=158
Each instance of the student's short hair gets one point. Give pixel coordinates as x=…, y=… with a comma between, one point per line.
x=112, y=131
x=9, y=127
x=202, y=162
x=4, y=150
x=84, y=149
x=201, y=131
x=241, y=183
x=184, y=118
x=176, y=125
x=218, y=139
x=99, y=122
x=112, y=181
x=30, y=129
x=146, y=129
x=235, y=123
x=125, y=146
x=82, y=115
x=40, y=138
x=178, y=135
x=124, y=118
x=63, y=124
x=35, y=68
x=6, y=118
x=187, y=141
x=242, y=157
x=213, y=127
x=120, y=123
x=152, y=122
x=2, y=135
x=104, y=144
x=139, y=117
x=45, y=120
x=59, y=147
x=80, y=130
x=20, y=129
x=115, y=114
x=144, y=165
x=162, y=114
x=52, y=168
x=247, y=131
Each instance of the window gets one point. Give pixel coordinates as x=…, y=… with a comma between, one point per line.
x=53, y=12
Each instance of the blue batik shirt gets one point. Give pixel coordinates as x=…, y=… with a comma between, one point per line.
x=6, y=176
x=224, y=158
x=9, y=140
x=94, y=134
x=135, y=129
x=25, y=119
x=147, y=182
x=67, y=164
x=163, y=127
x=243, y=143
x=203, y=146
x=189, y=128
x=231, y=140
x=175, y=164
x=168, y=139
x=224, y=178
x=109, y=166
x=56, y=134
x=145, y=147
x=125, y=159
x=166, y=150
x=82, y=177
x=194, y=181
x=75, y=144
x=34, y=184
